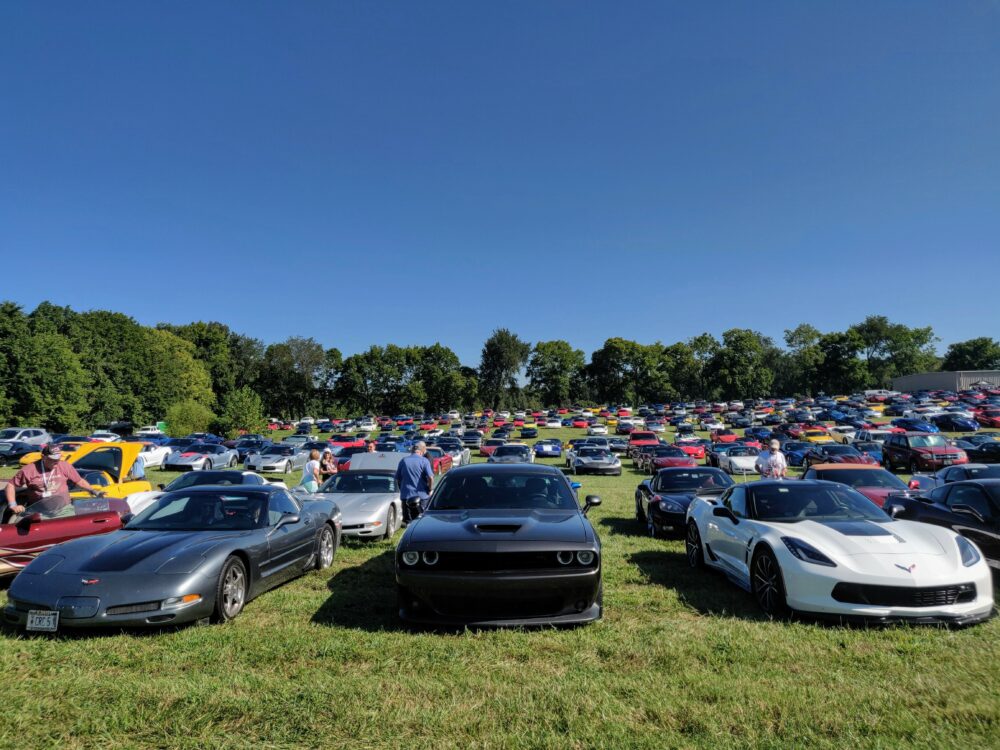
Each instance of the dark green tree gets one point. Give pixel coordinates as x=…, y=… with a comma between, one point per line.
x=553, y=368
x=981, y=353
x=503, y=356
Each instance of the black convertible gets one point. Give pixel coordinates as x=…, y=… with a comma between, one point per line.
x=199, y=553
x=501, y=545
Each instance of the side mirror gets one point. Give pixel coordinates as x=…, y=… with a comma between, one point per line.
x=591, y=501
x=286, y=519
x=914, y=484
x=722, y=511
x=162, y=486
x=575, y=485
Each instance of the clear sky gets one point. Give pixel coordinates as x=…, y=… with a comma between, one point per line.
x=411, y=172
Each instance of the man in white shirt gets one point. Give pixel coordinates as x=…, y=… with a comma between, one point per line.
x=771, y=463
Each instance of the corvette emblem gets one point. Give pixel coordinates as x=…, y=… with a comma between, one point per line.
x=89, y=581
x=907, y=569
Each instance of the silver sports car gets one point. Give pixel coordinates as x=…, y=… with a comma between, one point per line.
x=283, y=458
x=196, y=554
x=368, y=500
x=200, y=456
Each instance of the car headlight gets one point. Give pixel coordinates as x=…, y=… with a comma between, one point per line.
x=585, y=557
x=411, y=558
x=430, y=557
x=970, y=555
x=565, y=557
x=806, y=552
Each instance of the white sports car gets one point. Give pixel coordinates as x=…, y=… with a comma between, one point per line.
x=740, y=459
x=823, y=549
x=597, y=429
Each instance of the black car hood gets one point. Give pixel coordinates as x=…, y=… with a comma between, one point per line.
x=496, y=525
x=137, y=551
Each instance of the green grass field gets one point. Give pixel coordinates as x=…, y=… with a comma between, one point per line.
x=681, y=659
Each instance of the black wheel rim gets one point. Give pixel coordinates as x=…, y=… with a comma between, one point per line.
x=767, y=583
x=693, y=545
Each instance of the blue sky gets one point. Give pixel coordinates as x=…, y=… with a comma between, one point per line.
x=366, y=172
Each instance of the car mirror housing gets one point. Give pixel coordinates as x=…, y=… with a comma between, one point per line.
x=722, y=511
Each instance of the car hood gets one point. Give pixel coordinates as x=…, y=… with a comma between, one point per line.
x=354, y=503
x=499, y=526
x=139, y=551
x=852, y=538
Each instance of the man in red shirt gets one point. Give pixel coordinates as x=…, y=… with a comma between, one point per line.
x=45, y=486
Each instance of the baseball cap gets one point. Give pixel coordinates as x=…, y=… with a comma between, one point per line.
x=775, y=445
x=52, y=450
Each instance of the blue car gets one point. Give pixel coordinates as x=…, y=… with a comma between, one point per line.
x=914, y=425
x=955, y=423
x=795, y=452
x=761, y=433
x=548, y=448
x=871, y=448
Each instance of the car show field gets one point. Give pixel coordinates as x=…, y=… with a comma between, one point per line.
x=680, y=658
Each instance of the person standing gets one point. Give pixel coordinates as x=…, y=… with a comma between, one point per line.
x=327, y=465
x=771, y=463
x=310, y=474
x=45, y=486
x=415, y=480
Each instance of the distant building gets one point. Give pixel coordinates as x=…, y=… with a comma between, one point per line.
x=947, y=381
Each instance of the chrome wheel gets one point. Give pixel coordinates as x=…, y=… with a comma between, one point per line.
x=391, y=520
x=327, y=548
x=651, y=529
x=767, y=585
x=231, y=592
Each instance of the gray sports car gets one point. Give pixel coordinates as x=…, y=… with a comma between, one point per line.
x=283, y=458
x=200, y=456
x=368, y=500
x=200, y=553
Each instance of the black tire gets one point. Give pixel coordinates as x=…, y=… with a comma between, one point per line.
x=230, y=591
x=391, y=521
x=767, y=585
x=693, y=548
x=326, y=547
x=233, y=462
x=640, y=514
x=651, y=531
x=913, y=467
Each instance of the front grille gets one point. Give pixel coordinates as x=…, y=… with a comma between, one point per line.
x=127, y=609
x=493, y=607
x=500, y=561
x=904, y=596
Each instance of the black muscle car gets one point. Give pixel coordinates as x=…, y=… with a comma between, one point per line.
x=501, y=545
x=200, y=553
x=661, y=502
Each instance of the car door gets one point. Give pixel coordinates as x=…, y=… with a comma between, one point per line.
x=727, y=537
x=289, y=543
x=976, y=518
x=21, y=543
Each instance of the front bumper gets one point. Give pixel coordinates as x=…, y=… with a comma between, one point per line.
x=513, y=598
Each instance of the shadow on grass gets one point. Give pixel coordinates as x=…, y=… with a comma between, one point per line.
x=363, y=596
x=706, y=592
x=623, y=526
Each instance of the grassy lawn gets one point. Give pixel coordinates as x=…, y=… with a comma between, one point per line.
x=681, y=659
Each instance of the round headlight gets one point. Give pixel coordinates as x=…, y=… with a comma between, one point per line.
x=585, y=557
x=430, y=558
x=411, y=558
x=565, y=557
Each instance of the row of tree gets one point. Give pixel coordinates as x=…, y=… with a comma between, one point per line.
x=68, y=370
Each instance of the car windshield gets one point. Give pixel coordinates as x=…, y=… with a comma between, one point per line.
x=195, y=478
x=839, y=450
x=594, y=453
x=202, y=511
x=693, y=479
x=510, y=450
x=786, y=503
x=743, y=450
x=928, y=441
x=983, y=472
x=495, y=442
x=867, y=446
x=668, y=451
x=179, y=442
x=278, y=450
x=795, y=446
x=358, y=482
x=200, y=448
x=863, y=478
x=489, y=491
x=249, y=443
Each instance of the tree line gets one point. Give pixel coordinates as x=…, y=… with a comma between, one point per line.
x=68, y=370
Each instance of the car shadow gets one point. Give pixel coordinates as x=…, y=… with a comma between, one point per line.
x=623, y=526
x=706, y=592
x=363, y=597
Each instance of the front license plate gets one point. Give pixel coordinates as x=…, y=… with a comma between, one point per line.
x=43, y=620
x=946, y=463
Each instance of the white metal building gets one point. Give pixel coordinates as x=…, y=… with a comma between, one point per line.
x=947, y=381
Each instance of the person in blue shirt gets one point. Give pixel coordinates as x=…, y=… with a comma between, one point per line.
x=415, y=479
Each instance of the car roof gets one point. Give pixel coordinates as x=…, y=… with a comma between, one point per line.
x=845, y=467
x=483, y=469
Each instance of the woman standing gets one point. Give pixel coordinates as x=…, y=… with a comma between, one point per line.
x=310, y=474
x=327, y=465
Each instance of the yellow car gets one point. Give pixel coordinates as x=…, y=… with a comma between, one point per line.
x=611, y=421
x=817, y=436
x=68, y=450
x=109, y=466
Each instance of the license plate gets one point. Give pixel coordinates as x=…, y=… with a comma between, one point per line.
x=43, y=620
x=946, y=463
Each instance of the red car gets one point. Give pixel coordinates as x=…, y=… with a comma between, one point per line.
x=750, y=443
x=519, y=422
x=440, y=461
x=490, y=445
x=989, y=417
x=562, y=411
x=498, y=422
x=624, y=413
x=692, y=449
x=20, y=543
x=581, y=422
x=638, y=438
x=425, y=426
x=873, y=482
x=663, y=457
x=836, y=453
x=346, y=441
x=723, y=436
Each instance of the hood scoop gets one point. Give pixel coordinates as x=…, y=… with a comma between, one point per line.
x=498, y=528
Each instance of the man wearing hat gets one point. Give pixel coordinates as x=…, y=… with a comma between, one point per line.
x=44, y=485
x=771, y=463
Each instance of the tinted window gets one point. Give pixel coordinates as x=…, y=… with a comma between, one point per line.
x=503, y=490
x=202, y=511
x=786, y=503
x=355, y=482
x=736, y=501
x=861, y=478
x=195, y=478
x=971, y=496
